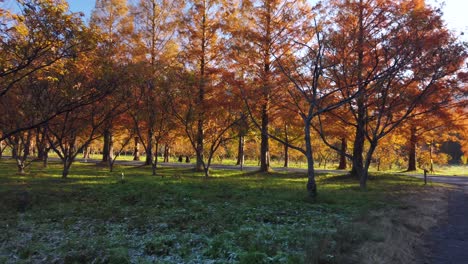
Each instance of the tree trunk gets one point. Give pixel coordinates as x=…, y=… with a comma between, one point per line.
x=344, y=145
x=359, y=139
x=199, y=150
x=87, y=153
x=358, y=148
x=240, y=151
x=45, y=160
x=365, y=171
x=264, y=144
x=66, y=169
x=20, y=164
x=111, y=147
x=286, y=147
x=311, y=185
x=286, y=156
x=136, y=149
x=412, y=150
x=149, y=148
x=167, y=151
x=154, y=163
x=106, y=147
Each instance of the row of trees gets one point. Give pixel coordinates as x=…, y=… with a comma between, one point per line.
x=206, y=72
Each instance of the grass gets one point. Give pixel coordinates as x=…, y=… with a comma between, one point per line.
x=446, y=170
x=180, y=217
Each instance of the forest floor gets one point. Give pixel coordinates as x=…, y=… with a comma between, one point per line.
x=97, y=216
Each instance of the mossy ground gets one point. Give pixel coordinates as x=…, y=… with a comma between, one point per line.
x=181, y=217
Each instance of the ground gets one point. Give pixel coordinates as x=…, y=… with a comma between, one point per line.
x=234, y=217
x=448, y=242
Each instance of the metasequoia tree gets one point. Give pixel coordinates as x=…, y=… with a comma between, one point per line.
x=72, y=132
x=220, y=112
x=394, y=55
x=156, y=24
x=309, y=94
x=112, y=20
x=202, y=51
x=37, y=36
x=439, y=124
x=260, y=30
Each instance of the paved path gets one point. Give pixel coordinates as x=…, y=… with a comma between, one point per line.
x=448, y=242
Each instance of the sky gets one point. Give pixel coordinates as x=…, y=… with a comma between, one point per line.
x=454, y=12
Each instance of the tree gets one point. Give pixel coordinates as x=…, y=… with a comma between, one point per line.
x=39, y=35
x=112, y=20
x=310, y=95
x=220, y=116
x=261, y=30
x=202, y=49
x=395, y=55
x=156, y=28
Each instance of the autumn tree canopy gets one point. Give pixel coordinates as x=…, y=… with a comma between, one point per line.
x=348, y=80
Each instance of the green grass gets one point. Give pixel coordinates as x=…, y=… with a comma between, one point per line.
x=95, y=216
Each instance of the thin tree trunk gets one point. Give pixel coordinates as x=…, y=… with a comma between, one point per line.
x=264, y=144
x=154, y=163
x=167, y=151
x=240, y=151
x=344, y=145
x=199, y=150
x=286, y=156
x=286, y=147
x=106, y=146
x=365, y=170
x=412, y=149
x=45, y=160
x=136, y=149
x=66, y=169
x=311, y=184
x=149, y=148
x=20, y=165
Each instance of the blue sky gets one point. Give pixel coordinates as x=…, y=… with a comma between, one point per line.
x=454, y=12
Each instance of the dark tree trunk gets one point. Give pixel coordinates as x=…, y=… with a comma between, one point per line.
x=107, y=145
x=154, y=162
x=365, y=171
x=344, y=145
x=199, y=150
x=264, y=144
x=66, y=169
x=45, y=159
x=149, y=148
x=412, y=150
x=286, y=147
x=359, y=139
x=21, y=166
x=286, y=156
x=358, y=145
x=136, y=149
x=311, y=184
x=240, y=151
x=40, y=144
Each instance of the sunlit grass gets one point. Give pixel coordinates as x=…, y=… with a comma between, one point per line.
x=179, y=216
